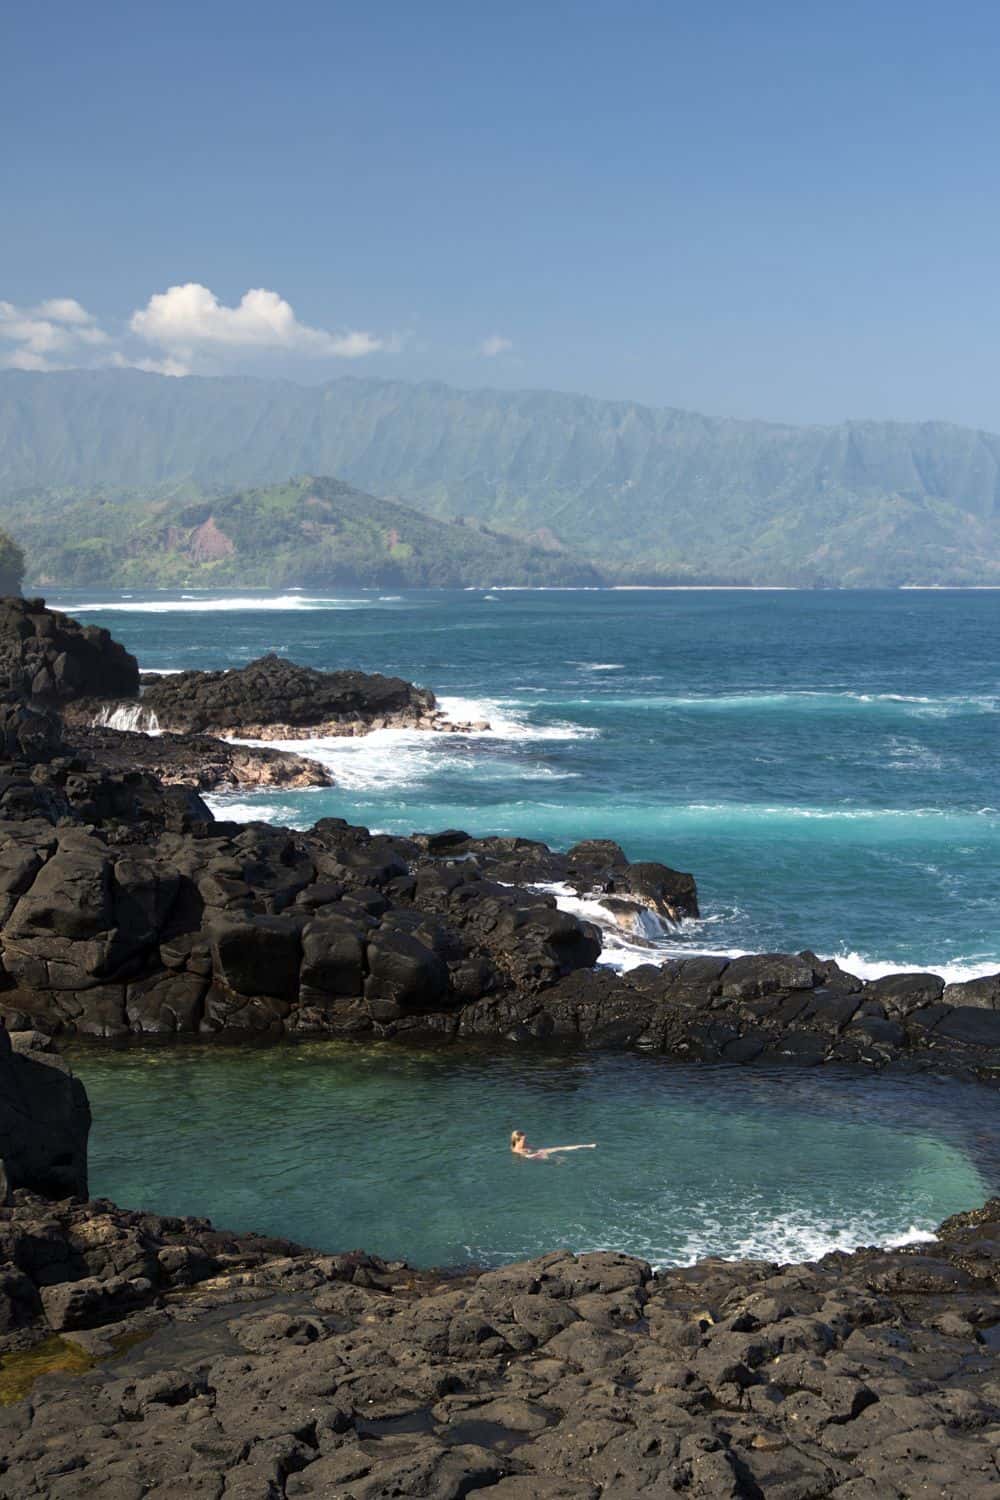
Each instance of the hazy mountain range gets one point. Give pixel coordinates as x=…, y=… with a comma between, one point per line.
x=641, y=491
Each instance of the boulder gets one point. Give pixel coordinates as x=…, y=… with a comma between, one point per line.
x=970, y=1025
x=670, y=893
x=984, y=993
x=404, y=974
x=901, y=993
x=258, y=955
x=51, y=658
x=44, y=1123
x=274, y=694
x=760, y=974
x=333, y=957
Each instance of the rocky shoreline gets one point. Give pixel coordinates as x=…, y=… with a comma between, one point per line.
x=195, y=760
x=180, y=727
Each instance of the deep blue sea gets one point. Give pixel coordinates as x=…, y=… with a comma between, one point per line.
x=825, y=763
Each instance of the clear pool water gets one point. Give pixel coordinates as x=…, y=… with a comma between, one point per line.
x=405, y=1152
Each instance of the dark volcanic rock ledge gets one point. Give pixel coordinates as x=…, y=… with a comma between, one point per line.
x=271, y=1372
x=275, y=699
x=197, y=760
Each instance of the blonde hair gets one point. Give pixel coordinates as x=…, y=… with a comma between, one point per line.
x=515, y=1136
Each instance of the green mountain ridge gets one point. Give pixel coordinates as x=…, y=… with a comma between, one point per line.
x=309, y=532
x=647, y=492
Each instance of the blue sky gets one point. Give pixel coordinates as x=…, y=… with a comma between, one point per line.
x=761, y=209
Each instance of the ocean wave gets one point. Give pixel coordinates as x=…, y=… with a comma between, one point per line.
x=791, y=810
x=507, y=721
x=788, y=1238
x=654, y=941
x=808, y=699
x=189, y=604
x=128, y=716
x=791, y=1238
x=231, y=807
x=955, y=971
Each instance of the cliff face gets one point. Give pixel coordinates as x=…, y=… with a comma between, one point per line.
x=44, y=1121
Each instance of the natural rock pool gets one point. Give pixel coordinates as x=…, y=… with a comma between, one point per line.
x=405, y=1152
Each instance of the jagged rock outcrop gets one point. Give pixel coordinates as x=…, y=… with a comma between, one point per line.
x=257, y=930
x=272, y=698
x=44, y=783
x=44, y=1124
x=51, y=658
x=255, y=1368
x=197, y=760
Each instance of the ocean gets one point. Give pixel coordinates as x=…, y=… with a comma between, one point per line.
x=823, y=762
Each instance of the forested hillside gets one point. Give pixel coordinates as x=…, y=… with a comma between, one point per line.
x=647, y=491
x=309, y=532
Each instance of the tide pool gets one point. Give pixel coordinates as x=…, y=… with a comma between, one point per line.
x=405, y=1152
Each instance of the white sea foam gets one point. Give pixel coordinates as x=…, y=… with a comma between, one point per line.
x=188, y=603
x=231, y=808
x=790, y=1238
x=508, y=721
x=956, y=971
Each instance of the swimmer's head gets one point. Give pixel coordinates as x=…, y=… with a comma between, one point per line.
x=517, y=1138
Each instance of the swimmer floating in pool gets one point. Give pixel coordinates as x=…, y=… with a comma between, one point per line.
x=519, y=1146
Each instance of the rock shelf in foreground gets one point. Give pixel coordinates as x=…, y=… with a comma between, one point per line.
x=257, y=1369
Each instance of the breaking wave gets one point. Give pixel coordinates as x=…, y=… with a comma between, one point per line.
x=188, y=604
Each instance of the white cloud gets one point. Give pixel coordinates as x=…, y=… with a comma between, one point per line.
x=168, y=366
x=64, y=310
x=51, y=336
x=495, y=345
x=188, y=318
x=181, y=329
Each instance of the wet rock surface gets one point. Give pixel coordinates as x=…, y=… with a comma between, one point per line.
x=258, y=1369
x=197, y=760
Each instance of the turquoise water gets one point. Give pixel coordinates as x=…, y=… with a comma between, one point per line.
x=405, y=1152
x=825, y=763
